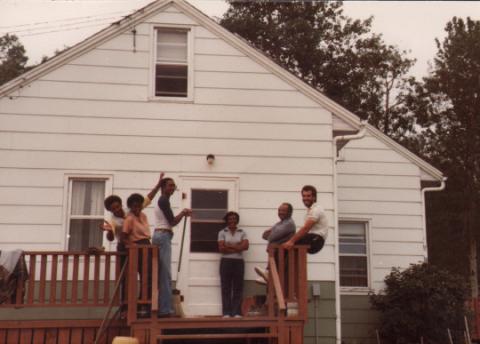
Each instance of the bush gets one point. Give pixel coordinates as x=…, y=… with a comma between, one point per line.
x=421, y=301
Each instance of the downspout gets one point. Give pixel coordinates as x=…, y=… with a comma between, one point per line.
x=357, y=136
x=424, y=213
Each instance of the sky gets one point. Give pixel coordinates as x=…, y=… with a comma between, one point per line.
x=44, y=26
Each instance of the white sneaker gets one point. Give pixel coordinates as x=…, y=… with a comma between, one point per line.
x=226, y=316
x=262, y=273
x=238, y=316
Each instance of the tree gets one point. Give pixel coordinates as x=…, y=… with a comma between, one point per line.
x=421, y=301
x=12, y=58
x=447, y=105
x=333, y=53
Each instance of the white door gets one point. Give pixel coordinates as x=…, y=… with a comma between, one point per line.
x=199, y=279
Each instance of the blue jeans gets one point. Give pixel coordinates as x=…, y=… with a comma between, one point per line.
x=163, y=240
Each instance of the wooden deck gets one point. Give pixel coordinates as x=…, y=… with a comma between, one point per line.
x=76, y=280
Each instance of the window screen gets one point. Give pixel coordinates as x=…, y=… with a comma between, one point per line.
x=353, y=254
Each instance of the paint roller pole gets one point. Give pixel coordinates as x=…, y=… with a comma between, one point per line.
x=181, y=248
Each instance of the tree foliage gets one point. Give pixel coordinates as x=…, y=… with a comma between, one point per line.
x=447, y=105
x=332, y=52
x=12, y=58
x=421, y=301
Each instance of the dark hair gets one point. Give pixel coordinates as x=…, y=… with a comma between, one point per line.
x=110, y=200
x=134, y=198
x=164, y=182
x=312, y=190
x=289, y=209
x=230, y=213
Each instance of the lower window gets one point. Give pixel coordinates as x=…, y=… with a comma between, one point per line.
x=353, y=254
x=85, y=214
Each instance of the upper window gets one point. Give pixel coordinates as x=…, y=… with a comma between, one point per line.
x=172, y=63
x=353, y=254
x=85, y=213
x=208, y=209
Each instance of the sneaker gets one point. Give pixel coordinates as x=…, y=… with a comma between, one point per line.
x=262, y=273
x=226, y=316
x=238, y=316
x=261, y=280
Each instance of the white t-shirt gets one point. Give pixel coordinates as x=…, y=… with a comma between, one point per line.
x=317, y=214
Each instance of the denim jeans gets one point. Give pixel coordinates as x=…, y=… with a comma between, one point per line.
x=163, y=240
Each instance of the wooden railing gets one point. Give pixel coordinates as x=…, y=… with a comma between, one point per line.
x=288, y=282
x=73, y=279
x=80, y=279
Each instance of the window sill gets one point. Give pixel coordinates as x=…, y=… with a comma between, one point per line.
x=170, y=99
x=355, y=290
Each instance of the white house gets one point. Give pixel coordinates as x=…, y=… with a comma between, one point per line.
x=159, y=91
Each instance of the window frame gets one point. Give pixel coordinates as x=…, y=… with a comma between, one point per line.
x=359, y=290
x=67, y=201
x=153, y=63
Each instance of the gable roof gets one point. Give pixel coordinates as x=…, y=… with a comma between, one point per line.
x=258, y=56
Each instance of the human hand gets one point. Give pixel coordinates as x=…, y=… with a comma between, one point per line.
x=266, y=234
x=288, y=245
x=187, y=212
x=106, y=226
x=162, y=174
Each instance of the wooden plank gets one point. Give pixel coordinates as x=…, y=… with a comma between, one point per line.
x=89, y=335
x=153, y=145
x=292, y=273
x=13, y=336
x=106, y=281
x=145, y=262
x=31, y=282
x=276, y=284
x=210, y=46
x=63, y=335
x=98, y=74
x=43, y=273
x=381, y=207
x=96, y=279
x=51, y=336
x=117, y=58
x=378, y=168
x=302, y=283
x=132, y=284
x=252, y=97
x=53, y=280
x=25, y=336
x=39, y=335
x=64, y=283
x=179, y=128
x=86, y=278
x=76, y=263
x=215, y=336
x=76, y=336
x=112, y=92
x=154, y=279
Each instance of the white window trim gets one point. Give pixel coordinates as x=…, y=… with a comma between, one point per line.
x=68, y=178
x=153, y=59
x=358, y=290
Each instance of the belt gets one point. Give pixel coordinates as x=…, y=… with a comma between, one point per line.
x=163, y=230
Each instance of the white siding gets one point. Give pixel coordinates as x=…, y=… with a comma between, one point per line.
x=378, y=185
x=94, y=115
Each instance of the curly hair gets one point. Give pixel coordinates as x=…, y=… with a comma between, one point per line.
x=134, y=198
x=110, y=200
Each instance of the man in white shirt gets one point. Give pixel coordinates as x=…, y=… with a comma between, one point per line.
x=315, y=229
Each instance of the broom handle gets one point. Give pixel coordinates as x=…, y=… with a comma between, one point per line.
x=181, y=248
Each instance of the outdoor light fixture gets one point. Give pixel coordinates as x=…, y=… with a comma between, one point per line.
x=210, y=159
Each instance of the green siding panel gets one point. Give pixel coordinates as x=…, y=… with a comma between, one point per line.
x=359, y=320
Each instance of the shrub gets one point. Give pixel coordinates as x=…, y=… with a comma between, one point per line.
x=421, y=301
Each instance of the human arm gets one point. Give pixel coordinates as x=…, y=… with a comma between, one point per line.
x=164, y=205
x=151, y=195
x=266, y=234
x=309, y=223
x=126, y=229
x=282, y=231
x=108, y=227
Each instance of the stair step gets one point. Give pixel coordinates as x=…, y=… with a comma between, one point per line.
x=216, y=336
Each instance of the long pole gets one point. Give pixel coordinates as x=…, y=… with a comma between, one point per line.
x=181, y=248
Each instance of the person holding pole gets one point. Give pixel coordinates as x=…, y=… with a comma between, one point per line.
x=162, y=237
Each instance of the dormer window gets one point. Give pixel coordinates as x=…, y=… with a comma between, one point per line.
x=172, y=63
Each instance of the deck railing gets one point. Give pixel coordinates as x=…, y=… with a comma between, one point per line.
x=288, y=282
x=80, y=279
